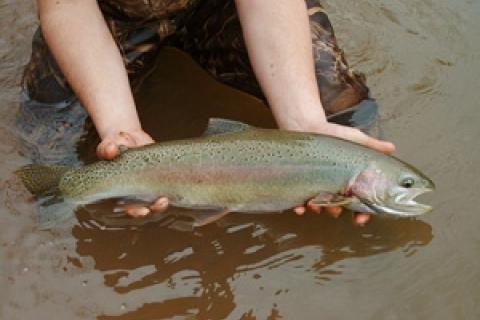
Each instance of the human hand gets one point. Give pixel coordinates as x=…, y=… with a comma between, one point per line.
x=354, y=135
x=109, y=148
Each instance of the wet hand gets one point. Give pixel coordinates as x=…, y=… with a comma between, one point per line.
x=110, y=147
x=137, y=210
x=354, y=135
x=359, y=218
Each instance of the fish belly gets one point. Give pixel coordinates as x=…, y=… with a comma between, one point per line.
x=238, y=189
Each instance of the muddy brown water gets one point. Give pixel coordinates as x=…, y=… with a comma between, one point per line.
x=422, y=60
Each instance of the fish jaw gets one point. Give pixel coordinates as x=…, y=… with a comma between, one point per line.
x=401, y=203
x=375, y=193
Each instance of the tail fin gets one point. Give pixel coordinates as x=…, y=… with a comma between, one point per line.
x=41, y=179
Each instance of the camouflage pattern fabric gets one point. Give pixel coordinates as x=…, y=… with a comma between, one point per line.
x=213, y=36
x=207, y=29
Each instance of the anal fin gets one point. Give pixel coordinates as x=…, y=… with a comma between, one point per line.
x=206, y=216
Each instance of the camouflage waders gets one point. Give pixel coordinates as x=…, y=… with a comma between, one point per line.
x=51, y=120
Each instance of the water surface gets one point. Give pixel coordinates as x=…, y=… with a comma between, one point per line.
x=422, y=61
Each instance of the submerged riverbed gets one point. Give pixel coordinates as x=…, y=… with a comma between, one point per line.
x=422, y=62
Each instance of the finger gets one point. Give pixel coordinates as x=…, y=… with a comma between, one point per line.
x=314, y=208
x=138, y=211
x=333, y=211
x=159, y=205
x=380, y=145
x=142, y=139
x=107, y=150
x=358, y=136
x=299, y=210
x=132, y=209
x=110, y=151
x=361, y=218
x=125, y=139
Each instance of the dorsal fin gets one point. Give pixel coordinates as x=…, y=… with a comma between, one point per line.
x=220, y=126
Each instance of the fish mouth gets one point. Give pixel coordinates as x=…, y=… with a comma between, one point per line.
x=402, y=203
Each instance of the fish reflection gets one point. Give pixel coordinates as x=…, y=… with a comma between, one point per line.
x=203, y=267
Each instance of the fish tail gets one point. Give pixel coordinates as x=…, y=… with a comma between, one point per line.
x=41, y=179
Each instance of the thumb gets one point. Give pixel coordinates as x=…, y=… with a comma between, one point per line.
x=108, y=149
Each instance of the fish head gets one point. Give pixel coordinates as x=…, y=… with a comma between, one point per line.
x=390, y=187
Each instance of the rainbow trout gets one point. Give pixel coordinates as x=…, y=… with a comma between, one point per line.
x=238, y=168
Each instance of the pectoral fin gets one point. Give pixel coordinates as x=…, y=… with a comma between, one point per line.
x=206, y=216
x=328, y=199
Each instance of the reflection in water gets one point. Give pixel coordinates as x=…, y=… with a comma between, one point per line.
x=204, y=264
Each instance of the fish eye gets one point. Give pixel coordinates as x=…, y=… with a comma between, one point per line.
x=407, y=182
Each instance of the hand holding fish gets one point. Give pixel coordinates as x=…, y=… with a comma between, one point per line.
x=354, y=135
x=282, y=59
x=235, y=168
x=110, y=147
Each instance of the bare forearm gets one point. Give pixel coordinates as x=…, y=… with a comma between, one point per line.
x=78, y=37
x=277, y=35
